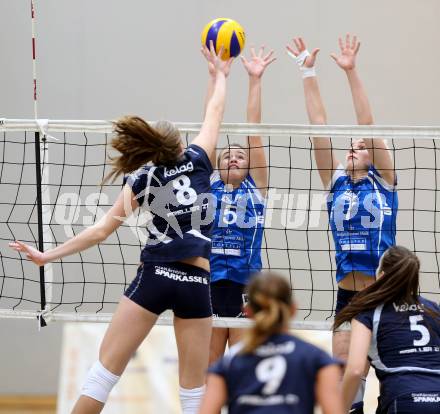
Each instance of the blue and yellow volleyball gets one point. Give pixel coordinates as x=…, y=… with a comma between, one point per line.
x=227, y=33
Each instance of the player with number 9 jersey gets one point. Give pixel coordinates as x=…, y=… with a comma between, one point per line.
x=399, y=331
x=271, y=371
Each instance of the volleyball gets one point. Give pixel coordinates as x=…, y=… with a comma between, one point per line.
x=227, y=33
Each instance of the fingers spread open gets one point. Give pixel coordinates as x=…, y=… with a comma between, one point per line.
x=341, y=46
x=291, y=51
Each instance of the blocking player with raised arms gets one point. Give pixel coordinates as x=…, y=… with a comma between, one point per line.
x=240, y=186
x=399, y=330
x=362, y=198
x=174, y=270
x=271, y=371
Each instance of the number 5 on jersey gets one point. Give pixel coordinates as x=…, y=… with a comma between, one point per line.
x=426, y=337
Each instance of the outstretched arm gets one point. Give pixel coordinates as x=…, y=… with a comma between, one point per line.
x=379, y=153
x=324, y=155
x=255, y=67
x=208, y=136
x=357, y=358
x=125, y=204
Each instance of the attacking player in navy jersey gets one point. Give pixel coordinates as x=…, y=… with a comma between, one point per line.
x=271, y=371
x=362, y=198
x=400, y=332
x=173, y=184
x=239, y=186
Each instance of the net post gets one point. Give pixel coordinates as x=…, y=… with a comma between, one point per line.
x=41, y=320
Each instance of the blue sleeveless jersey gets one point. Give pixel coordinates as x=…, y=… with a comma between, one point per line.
x=362, y=220
x=277, y=378
x=405, y=348
x=181, y=206
x=238, y=230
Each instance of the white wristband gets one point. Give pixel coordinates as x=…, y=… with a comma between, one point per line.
x=308, y=72
x=300, y=59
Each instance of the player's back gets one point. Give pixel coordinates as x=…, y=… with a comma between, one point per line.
x=405, y=348
x=180, y=201
x=278, y=377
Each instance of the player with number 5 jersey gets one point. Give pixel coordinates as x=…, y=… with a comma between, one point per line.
x=239, y=186
x=400, y=332
x=271, y=371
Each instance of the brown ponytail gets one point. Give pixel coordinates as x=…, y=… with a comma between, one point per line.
x=139, y=143
x=270, y=299
x=399, y=283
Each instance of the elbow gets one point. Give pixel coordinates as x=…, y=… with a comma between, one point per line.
x=98, y=234
x=355, y=373
x=366, y=121
x=319, y=121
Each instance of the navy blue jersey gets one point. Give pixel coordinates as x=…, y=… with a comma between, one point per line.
x=279, y=377
x=363, y=220
x=405, y=348
x=238, y=230
x=180, y=202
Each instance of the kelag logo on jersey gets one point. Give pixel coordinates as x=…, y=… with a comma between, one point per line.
x=178, y=170
x=405, y=307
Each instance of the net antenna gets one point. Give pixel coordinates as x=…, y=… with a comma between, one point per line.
x=42, y=189
x=296, y=242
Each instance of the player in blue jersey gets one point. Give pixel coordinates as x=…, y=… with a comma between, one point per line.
x=362, y=197
x=240, y=186
x=174, y=185
x=399, y=330
x=271, y=371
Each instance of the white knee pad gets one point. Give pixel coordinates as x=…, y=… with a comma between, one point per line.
x=190, y=399
x=99, y=383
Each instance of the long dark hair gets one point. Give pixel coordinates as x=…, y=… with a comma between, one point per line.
x=139, y=143
x=270, y=299
x=399, y=283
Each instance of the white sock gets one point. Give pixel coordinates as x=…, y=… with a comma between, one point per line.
x=190, y=399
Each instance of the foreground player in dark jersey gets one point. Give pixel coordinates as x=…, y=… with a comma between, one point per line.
x=271, y=371
x=174, y=270
x=400, y=332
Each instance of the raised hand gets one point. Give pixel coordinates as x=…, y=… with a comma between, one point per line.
x=31, y=252
x=347, y=59
x=257, y=64
x=215, y=63
x=299, y=48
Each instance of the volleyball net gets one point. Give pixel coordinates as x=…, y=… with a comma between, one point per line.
x=50, y=190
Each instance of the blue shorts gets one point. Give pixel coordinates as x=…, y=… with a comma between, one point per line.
x=228, y=299
x=343, y=298
x=415, y=403
x=181, y=287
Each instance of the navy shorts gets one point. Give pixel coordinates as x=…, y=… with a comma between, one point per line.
x=415, y=403
x=181, y=287
x=343, y=298
x=228, y=299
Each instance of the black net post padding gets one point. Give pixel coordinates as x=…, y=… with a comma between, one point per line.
x=41, y=320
